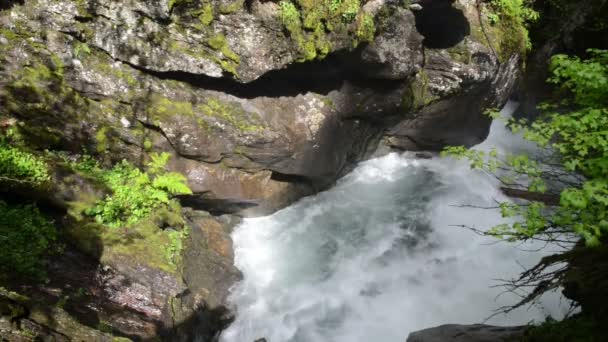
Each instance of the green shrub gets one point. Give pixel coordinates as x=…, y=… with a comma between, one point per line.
x=578, y=328
x=26, y=236
x=135, y=193
x=513, y=16
x=18, y=166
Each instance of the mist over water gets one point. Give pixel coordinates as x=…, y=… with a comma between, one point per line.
x=378, y=256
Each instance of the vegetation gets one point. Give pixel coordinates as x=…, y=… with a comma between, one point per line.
x=18, y=166
x=566, y=192
x=511, y=18
x=576, y=129
x=576, y=329
x=26, y=236
x=135, y=193
x=309, y=21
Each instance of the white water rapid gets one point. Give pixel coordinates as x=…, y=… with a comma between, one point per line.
x=377, y=256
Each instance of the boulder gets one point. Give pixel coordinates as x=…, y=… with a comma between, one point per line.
x=467, y=333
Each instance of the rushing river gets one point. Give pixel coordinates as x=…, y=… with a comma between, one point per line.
x=379, y=256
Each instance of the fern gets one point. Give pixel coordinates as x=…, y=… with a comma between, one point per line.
x=173, y=183
x=158, y=162
x=137, y=194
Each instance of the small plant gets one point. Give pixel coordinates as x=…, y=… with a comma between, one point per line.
x=514, y=15
x=366, y=28
x=135, y=193
x=80, y=47
x=520, y=9
x=176, y=245
x=26, y=236
x=18, y=166
x=351, y=8
x=290, y=16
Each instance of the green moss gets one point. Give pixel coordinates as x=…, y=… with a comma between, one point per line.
x=10, y=35
x=233, y=7
x=233, y=114
x=162, y=108
x=144, y=243
x=513, y=37
x=147, y=144
x=39, y=96
x=328, y=102
x=105, y=66
x=82, y=7
x=101, y=139
x=205, y=14
x=85, y=31
x=417, y=94
x=366, y=28
x=308, y=22
x=460, y=53
x=309, y=49
x=507, y=35
x=219, y=43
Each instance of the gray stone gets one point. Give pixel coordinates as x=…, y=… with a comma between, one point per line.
x=396, y=52
x=467, y=333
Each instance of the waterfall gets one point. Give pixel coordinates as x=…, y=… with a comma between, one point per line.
x=380, y=255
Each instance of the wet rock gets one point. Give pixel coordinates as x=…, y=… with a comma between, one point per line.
x=396, y=52
x=209, y=259
x=467, y=333
x=462, y=77
x=424, y=155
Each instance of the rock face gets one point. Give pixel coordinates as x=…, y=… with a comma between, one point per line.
x=253, y=118
x=467, y=333
x=259, y=103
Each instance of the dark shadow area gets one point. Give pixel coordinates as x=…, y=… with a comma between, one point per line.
x=204, y=325
x=6, y=4
x=216, y=206
x=441, y=24
x=320, y=77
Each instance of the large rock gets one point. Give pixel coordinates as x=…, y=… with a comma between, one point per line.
x=124, y=80
x=468, y=333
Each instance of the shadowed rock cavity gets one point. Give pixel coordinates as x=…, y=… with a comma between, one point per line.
x=320, y=77
x=442, y=25
x=6, y=4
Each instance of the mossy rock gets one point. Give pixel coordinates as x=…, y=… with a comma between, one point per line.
x=145, y=243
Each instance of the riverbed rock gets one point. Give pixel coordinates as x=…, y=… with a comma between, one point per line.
x=467, y=333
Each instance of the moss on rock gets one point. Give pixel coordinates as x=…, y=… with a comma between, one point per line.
x=231, y=113
x=309, y=23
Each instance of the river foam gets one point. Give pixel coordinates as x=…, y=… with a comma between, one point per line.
x=379, y=256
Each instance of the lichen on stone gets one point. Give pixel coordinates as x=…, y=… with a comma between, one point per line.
x=231, y=113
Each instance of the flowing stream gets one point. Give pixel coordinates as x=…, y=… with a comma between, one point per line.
x=379, y=256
